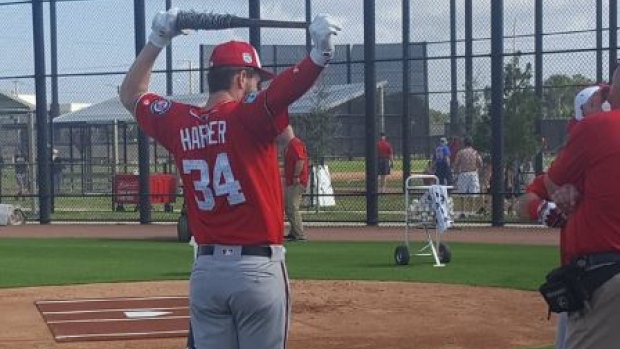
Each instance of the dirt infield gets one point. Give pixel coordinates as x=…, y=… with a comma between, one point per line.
x=340, y=314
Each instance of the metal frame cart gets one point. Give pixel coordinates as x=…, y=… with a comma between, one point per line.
x=11, y=215
x=420, y=214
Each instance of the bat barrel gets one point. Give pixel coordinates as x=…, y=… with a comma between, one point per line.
x=267, y=23
x=211, y=21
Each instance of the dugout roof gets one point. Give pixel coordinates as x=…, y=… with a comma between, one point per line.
x=10, y=105
x=110, y=111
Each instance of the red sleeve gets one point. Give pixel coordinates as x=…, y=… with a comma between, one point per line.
x=300, y=151
x=289, y=85
x=571, y=162
x=266, y=113
x=538, y=187
x=155, y=116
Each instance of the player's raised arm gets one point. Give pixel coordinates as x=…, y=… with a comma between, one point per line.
x=138, y=77
x=292, y=83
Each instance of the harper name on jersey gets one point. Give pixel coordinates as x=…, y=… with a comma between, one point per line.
x=200, y=136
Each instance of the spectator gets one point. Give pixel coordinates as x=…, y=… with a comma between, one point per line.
x=441, y=160
x=455, y=145
x=467, y=165
x=58, y=167
x=385, y=155
x=296, y=180
x=21, y=174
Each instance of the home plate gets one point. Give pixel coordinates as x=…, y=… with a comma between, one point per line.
x=145, y=314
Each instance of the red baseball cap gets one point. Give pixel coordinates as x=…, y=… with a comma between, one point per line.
x=238, y=54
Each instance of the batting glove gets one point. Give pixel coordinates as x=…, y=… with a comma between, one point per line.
x=164, y=28
x=321, y=31
x=550, y=215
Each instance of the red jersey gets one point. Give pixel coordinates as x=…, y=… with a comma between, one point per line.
x=295, y=151
x=384, y=149
x=591, y=161
x=227, y=158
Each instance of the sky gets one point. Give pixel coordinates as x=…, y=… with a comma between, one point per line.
x=96, y=36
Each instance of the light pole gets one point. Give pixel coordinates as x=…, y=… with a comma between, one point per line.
x=16, y=84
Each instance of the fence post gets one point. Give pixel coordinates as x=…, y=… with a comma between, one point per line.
x=42, y=125
x=599, y=40
x=497, y=111
x=454, y=103
x=406, y=118
x=469, y=70
x=370, y=88
x=613, y=36
x=143, y=141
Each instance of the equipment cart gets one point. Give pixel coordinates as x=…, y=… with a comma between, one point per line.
x=419, y=214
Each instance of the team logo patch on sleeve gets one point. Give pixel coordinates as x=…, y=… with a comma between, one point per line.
x=160, y=106
x=250, y=98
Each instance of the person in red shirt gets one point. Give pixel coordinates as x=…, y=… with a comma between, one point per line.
x=536, y=203
x=227, y=158
x=385, y=155
x=295, y=182
x=580, y=181
x=455, y=145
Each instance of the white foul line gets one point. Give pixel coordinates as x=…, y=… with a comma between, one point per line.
x=119, y=320
x=108, y=299
x=106, y=310
x=121, y=334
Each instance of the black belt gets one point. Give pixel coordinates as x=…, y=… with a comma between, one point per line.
x=262, y=251
x=593, y=260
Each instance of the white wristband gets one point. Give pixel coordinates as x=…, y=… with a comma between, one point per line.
x=157, y=40
x=320, y=58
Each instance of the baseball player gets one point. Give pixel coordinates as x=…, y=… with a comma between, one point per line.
x=227, y=158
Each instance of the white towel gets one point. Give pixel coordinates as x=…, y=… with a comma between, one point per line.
x=439, y=198
x=192, y=242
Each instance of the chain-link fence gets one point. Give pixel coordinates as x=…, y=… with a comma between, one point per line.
x=437, y=85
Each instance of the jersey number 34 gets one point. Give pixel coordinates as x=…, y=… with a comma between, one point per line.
x=222, y=183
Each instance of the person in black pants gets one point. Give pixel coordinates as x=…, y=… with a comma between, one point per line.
x=442, y=162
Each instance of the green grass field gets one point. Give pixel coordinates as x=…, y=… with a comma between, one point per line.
x=29, y=262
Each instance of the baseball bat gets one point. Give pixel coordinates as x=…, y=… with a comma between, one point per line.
x=206, y=21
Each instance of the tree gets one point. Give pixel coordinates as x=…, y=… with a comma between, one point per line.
x=559, y=94
x=521, y=112
x=438, y=121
